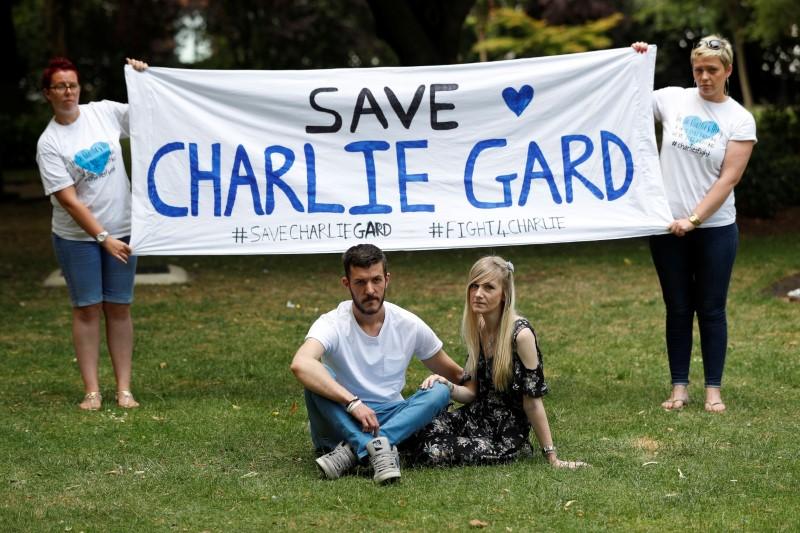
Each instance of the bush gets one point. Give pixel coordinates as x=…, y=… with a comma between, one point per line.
x=770, y=181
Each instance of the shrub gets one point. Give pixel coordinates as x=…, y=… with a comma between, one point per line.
x=770, y=181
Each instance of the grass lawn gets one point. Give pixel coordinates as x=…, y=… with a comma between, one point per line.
x=221, y=442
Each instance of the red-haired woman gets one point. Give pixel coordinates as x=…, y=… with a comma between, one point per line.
x=80, y=163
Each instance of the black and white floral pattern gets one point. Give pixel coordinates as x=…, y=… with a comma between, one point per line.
x=491, y=429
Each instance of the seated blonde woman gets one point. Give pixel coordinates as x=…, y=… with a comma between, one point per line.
x=504, y=399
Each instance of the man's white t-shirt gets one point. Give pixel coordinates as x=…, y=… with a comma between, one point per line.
x=87, y=154
x=373, y=368
x=695, y=135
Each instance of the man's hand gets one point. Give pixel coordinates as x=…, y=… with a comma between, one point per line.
x=367, y=418
x=431, y=380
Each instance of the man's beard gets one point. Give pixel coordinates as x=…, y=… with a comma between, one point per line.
x=364, y=310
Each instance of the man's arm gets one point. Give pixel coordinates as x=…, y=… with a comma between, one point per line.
x=441, y=364
x=307, y=367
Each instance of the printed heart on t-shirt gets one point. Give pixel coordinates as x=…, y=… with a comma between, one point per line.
x=699, y=130
x=94, y=159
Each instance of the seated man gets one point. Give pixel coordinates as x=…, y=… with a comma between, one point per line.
x=353, y=365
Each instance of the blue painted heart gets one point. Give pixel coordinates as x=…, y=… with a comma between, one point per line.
x=94, y=159
x=698, y=130
x=516, y=100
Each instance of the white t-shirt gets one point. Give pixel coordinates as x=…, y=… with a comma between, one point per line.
x=373, y=368
x=695, y=135
x=87, y=154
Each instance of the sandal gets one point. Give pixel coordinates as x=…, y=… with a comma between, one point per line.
x=125, y=399
x=715, y=407
x=92, y=401
x=675, y=404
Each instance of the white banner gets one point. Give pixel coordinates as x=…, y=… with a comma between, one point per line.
x=550, y=149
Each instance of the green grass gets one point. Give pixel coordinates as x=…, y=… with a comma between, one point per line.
x=221, y=444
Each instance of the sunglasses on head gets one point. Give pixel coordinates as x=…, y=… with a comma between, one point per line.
x=713, y=44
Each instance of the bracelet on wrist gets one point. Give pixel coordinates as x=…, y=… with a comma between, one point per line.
x=352, y=404
x=547, y=450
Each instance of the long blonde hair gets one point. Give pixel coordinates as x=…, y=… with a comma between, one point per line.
x=484, y=269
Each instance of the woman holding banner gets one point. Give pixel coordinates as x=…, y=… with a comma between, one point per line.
x=504, y=400
x=707, y=141
x=80, y=163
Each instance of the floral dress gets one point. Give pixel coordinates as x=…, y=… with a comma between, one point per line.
x=493, y=428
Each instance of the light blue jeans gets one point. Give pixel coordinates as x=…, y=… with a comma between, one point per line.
x=330, y=423
x=92, y=274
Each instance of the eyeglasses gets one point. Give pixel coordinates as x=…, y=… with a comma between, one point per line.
x=62, y=87
x=713, y=44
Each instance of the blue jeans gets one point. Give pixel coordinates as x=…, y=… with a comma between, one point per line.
x=330, y=423
x=92, y=274
x=695, y=272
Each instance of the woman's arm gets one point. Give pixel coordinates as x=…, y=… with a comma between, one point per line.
x=68, y=199
x=737, y=154
x=534, y=407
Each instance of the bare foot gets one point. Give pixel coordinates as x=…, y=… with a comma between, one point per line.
x=91, y=402
x=714, y=402
x=677, y=400
x=125, y=399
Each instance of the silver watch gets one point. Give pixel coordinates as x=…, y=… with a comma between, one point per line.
x=101, y=237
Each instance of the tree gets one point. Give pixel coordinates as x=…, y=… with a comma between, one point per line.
x=421, y=32
x=513, y=33
x=9, y=95
x=285, y=34
x=761, y=31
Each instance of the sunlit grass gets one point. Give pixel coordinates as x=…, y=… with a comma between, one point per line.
x=221, y=444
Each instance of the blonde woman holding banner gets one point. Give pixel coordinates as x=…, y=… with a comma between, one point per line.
x=503, y=400
x=707, y=141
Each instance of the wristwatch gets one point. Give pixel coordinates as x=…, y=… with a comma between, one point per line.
x=695, y=220
x=101, y=237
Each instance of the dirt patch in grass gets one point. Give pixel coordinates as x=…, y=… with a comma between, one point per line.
x=783, y=286
x=647, y=444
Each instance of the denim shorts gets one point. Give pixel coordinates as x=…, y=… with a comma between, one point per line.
x=92, y=274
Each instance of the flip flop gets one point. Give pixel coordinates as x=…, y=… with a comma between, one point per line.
x=672, y=401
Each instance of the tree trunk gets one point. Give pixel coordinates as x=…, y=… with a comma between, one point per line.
x=734, y=15
x=11, y=98
x=741, y=67
x=57, y=17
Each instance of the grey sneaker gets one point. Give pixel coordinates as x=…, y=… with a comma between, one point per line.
x=337, y=463
x=384, y=459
